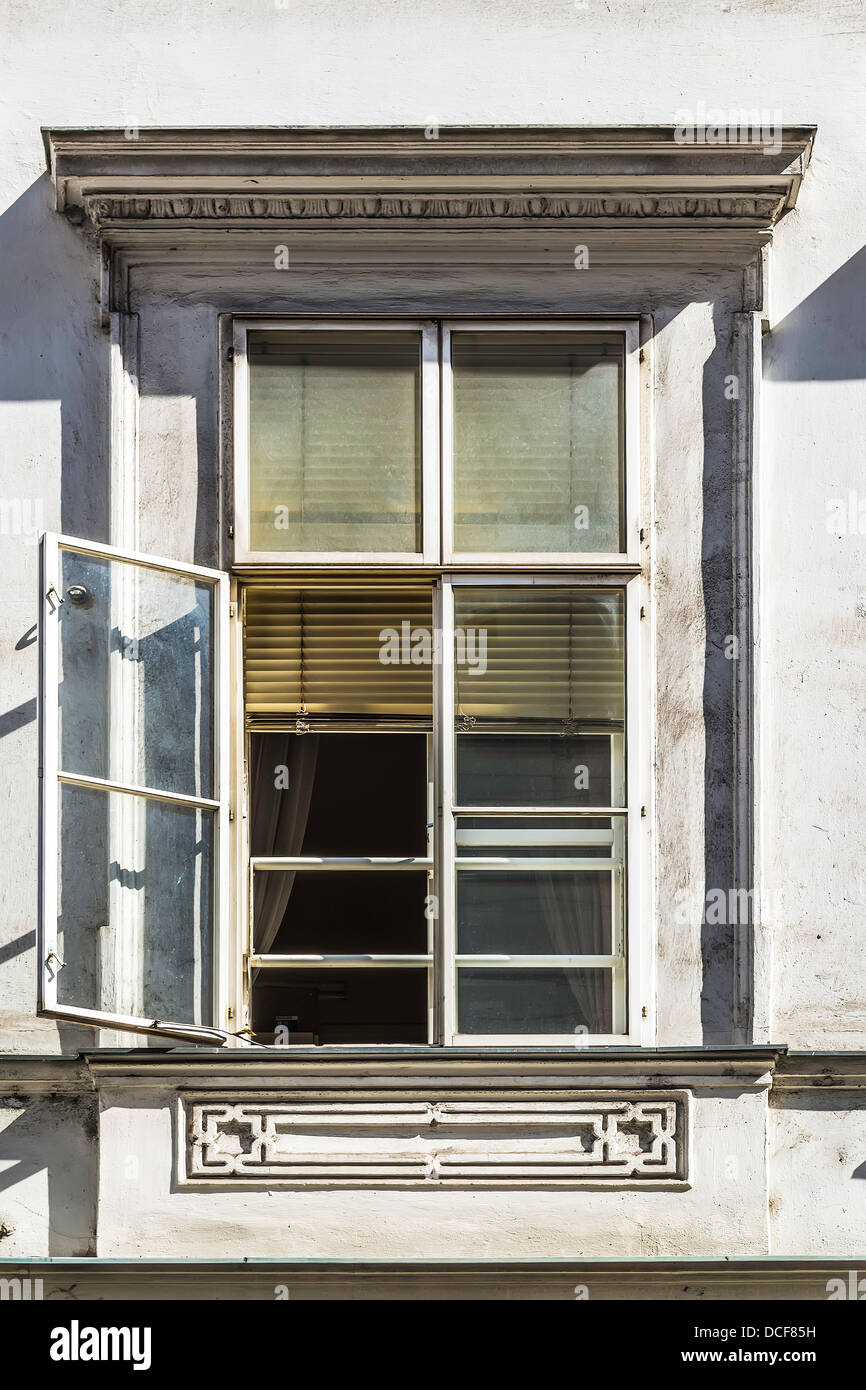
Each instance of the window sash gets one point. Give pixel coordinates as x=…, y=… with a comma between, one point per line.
x=625, y=963
x=437, y=452
x=429, y=499
x=443, y=960
x=54, y=777
x=426, y=960
x=629, y=328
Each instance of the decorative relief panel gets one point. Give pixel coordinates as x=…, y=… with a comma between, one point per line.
x=745, y=207
x=598, y=1140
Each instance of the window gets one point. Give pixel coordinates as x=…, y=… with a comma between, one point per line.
x=338, y=457
x=537, y=811
x=436, y=708
x=438, y=809
x=340, y=775
x=134, y=788
x=338, y=442
x=534, y=446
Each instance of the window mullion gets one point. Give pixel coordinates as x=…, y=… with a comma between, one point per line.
x=444, y=721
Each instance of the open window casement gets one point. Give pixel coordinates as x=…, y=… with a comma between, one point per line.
x=134, y=791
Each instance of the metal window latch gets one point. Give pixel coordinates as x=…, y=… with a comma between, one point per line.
x=52, y=955
x=52, y=590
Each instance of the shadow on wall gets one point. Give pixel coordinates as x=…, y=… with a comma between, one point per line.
x=53, y=357
x=824, y=338
x=52, y=349
x=58, y=1135
x=720, y=1003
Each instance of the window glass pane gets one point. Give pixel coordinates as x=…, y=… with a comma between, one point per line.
x=338, y=794
x=341, y=1006
x=533, y=656
x=135, y=659
x=358, y=651
x=340, y=913
x=538, y=442
x=335, y=430
x=533, y=1001
x=135, y=905
x=532, y=912
x=533, y=770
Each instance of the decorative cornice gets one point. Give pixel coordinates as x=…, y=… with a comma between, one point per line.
x=103, y=210
x=535, y=177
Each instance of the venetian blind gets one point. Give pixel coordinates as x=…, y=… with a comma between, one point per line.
x=536, y=653
x=335, y=457
x=338, y=651
x=537, y=442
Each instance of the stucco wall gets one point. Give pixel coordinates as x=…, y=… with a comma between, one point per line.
x=475, y=63
x=549, y=61
x=48, y=1175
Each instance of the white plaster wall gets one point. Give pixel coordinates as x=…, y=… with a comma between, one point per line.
x=554, y=61
x=48, y=1158
x=818, y=1175
x=142, y=1211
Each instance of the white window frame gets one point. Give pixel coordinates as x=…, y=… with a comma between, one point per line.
x=53, y=776
x=631, y=960
x=428, y=332
x=630, y=330
x=631, y=964
x=623, y=571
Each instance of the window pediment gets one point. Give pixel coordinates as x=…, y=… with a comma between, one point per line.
x=124, y=181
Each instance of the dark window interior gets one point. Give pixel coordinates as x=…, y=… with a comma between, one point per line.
x=341, y=1006
x=339, y=795
x=367, y=793
x=345, y=913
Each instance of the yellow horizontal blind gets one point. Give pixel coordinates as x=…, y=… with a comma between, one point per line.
x=539, y=653
x=338, y=651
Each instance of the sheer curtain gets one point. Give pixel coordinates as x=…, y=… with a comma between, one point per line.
x=278, y=821
x=575, y=918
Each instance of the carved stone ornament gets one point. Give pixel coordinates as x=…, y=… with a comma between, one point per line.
x=595, y=1141
x=127, y=208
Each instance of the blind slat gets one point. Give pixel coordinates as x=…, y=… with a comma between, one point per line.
x=324, y=650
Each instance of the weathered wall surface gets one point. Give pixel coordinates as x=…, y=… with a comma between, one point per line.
x=555, y=61
x=460, y=63
x=48, y=1165
x=817, y=1142
x=147, y=1209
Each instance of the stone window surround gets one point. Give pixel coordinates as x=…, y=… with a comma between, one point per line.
x=169, y=196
